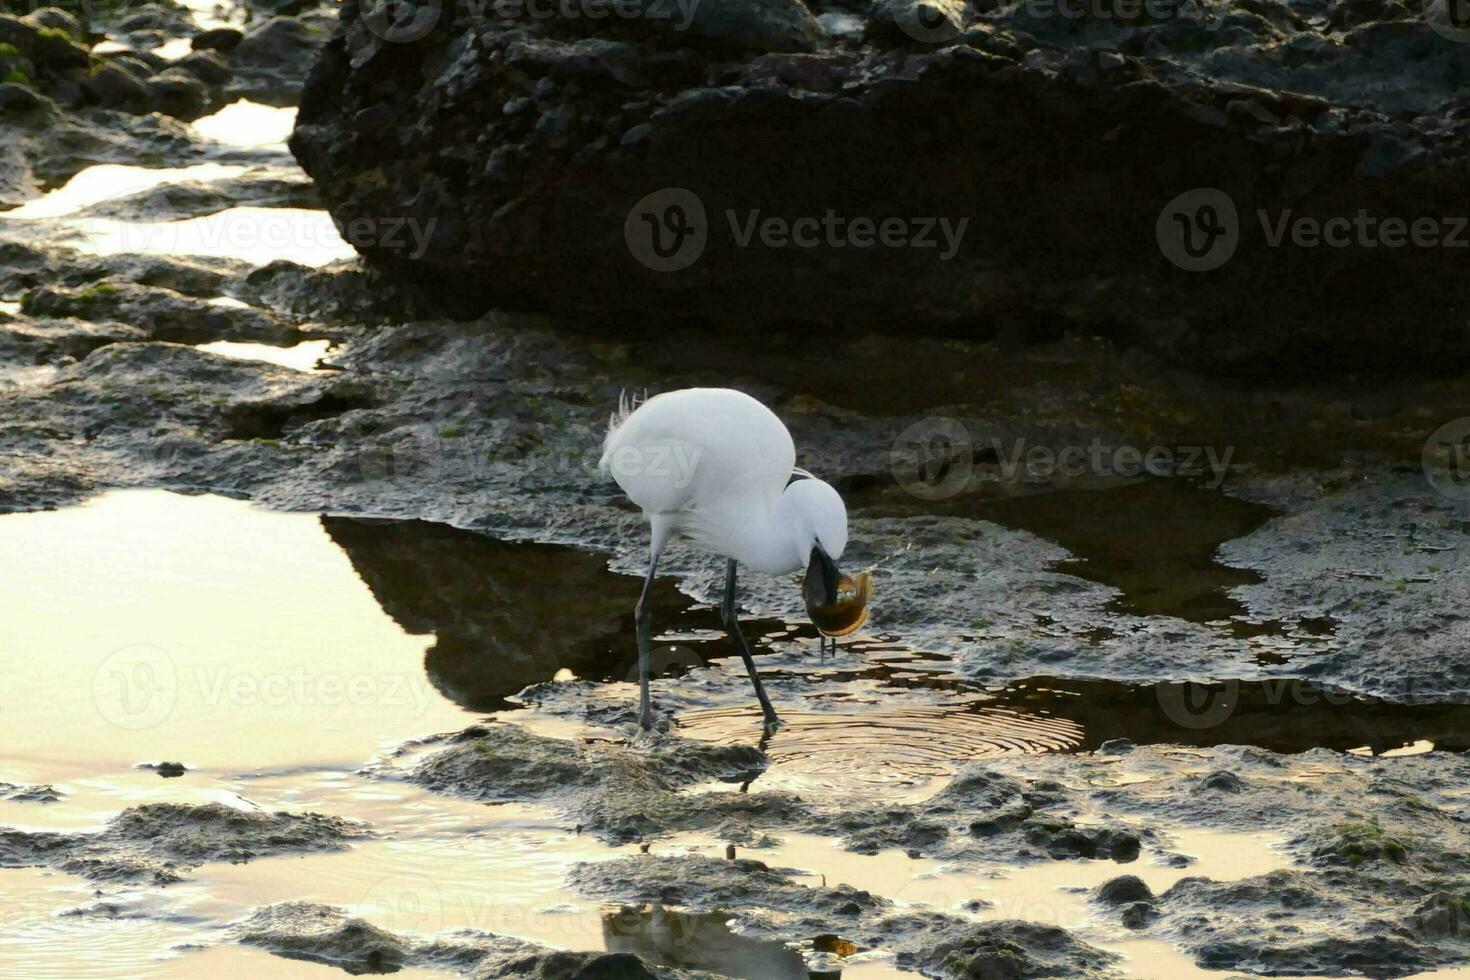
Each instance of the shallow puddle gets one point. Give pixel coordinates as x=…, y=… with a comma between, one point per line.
x=248, y=125
x=251, y=234
x=108, y=181
x=1155, y=540
x=301, y=357
x=181, y=623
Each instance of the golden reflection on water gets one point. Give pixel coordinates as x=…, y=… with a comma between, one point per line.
x=899, y=743
x=147, y=626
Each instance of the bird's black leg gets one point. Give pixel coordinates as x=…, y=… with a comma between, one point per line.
x=643, y=617
x=732, y=626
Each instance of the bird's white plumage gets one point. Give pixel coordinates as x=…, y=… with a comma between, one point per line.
x=714, y=464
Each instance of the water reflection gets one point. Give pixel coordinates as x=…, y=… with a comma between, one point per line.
x=503, y=614
x=703, y=941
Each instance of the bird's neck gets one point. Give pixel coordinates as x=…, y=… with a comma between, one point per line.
x=773, y=540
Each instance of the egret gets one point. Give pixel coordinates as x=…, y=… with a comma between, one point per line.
x=717, y=467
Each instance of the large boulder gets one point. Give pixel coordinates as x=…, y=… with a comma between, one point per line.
x=1238, y=184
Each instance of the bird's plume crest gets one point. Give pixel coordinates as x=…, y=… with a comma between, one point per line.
x=628, y=403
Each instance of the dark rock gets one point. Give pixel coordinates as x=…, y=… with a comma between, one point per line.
x=1138, y=915
x=21, y=99
x=1222, y=781
x=891, y=127
x=56, y=19
x=178, y=93
x=615, y=966
x=207, y=66
x=160, y=841
x=1115, y=746
x=322, y=934
x=1123, y=890
x=114, y=84
x=217, y=39
x=1010, y=950
x=918, y=21
x=1062, y=839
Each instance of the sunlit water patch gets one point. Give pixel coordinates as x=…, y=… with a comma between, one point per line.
x=301, y=357
x=105, y=182
x=256, y=235
x=249, y=125
x=200, y=629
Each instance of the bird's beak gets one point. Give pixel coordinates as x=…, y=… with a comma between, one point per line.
x=822, y=575
x=837, y=604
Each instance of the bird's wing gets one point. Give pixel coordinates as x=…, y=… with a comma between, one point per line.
x=699, y=448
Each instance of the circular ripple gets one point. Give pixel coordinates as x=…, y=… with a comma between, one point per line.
x=884, y=744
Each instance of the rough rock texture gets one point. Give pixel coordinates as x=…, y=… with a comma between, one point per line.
x=528, y=149
x=324, y=934
x=159, y=842
x=620, y=793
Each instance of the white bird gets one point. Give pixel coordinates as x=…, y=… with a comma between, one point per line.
x=716, y=466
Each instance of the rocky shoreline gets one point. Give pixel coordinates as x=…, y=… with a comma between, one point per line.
x=1294, y=545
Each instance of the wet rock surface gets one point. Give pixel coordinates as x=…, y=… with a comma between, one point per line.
x=1027, y=615
x=161, y=842
x=669, y=153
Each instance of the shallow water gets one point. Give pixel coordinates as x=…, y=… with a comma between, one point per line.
x=105, y=182
x=177, y=624
x=304, y=356
x=252, y=234
x=248, y=125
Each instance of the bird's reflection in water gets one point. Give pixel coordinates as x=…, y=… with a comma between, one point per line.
x=703, y=941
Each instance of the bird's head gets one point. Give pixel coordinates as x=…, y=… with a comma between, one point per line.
x=836, y=603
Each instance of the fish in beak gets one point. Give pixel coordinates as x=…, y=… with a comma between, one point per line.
x=836, y=603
